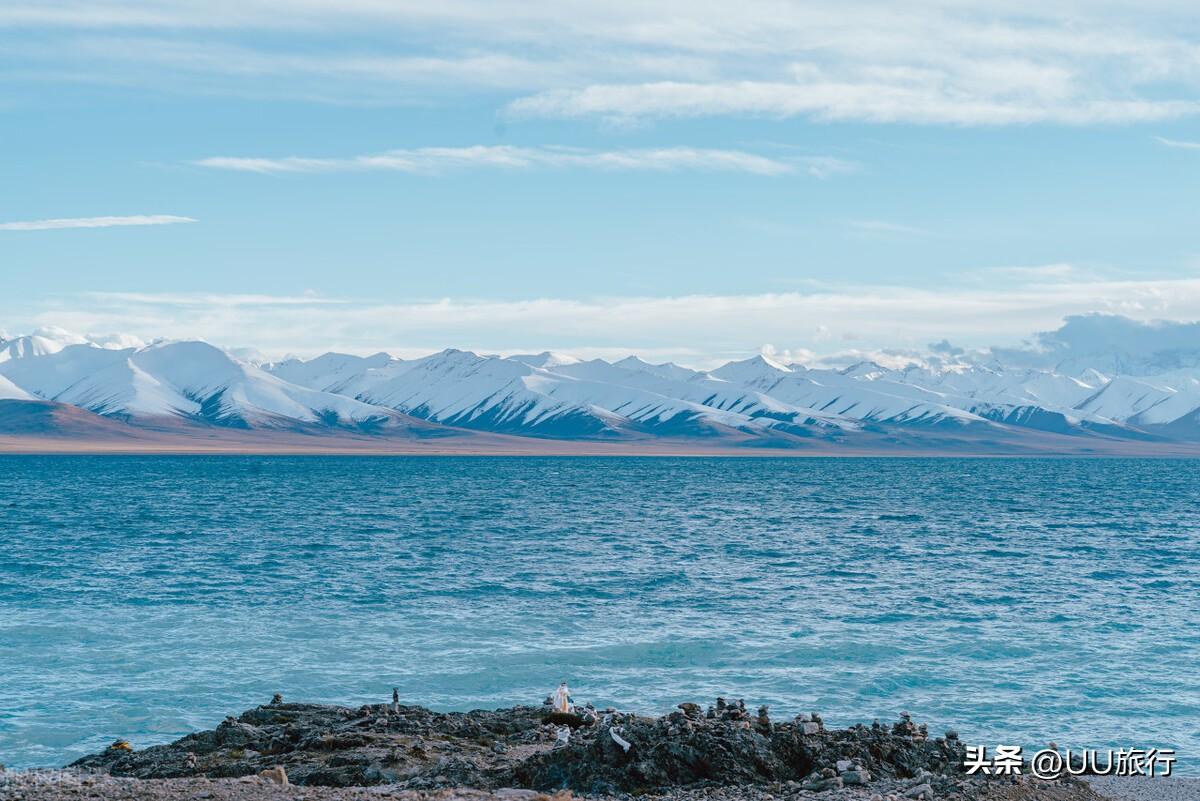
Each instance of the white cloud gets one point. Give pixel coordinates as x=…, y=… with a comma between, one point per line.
x=788, y=355
x=863, y=100
x=94, y=222
x=116, y=341
x=1040, y=272
x=1177, y=144
x=992, y=62
x=341, y=67
x=431, y=160
x=690, y=329
x=890, y=358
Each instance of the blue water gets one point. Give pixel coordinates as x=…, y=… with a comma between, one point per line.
x=1019, y=601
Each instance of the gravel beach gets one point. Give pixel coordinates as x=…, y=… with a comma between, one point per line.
x=62, y=786
x=1142, y=788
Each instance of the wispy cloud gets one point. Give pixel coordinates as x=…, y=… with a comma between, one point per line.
x=828, y=166
x=885, y=227
x=94, y=222
x=1041, y=272
x=1176, y=143
x=208, y=300
x=432, y=160
x=898, y=101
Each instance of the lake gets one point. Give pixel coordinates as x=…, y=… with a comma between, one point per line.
x=1017, y=601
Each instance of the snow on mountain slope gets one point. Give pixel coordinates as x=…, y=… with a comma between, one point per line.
x=482, y=391
x=1018, y=387
x=856, y=393
x=701, y=389
x=10, y=391
x=330, y=372
x=52, y=373
x=757, y=370
x=555, y=395
x=461, y=388
x=668, y=370
x=545, y=359
x=650, y=400
x=42, y=342
x=1021, y=397
x=1158, y=400
x=235, y=393
x=177, y=380
x=123, y=389
x=646, y=410
x=51, y=339
x=99, y=380
x=568, y=398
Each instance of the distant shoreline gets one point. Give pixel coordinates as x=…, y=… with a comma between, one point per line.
x=288, y=446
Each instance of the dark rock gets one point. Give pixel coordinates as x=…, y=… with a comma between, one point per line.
x=416, y=748
x=764, y=720
x=856, y=777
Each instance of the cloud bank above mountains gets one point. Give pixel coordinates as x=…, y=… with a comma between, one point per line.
x=1112, y=344
x=889, y=324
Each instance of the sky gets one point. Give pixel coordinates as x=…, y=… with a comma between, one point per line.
x=692, y=181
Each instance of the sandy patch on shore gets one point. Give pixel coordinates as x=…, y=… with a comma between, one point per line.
x=69, y=786
x=1145, y=788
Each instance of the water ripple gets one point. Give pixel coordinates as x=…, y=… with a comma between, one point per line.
x=1017, y=601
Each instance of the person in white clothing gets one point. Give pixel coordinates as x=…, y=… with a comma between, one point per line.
x=562, y=699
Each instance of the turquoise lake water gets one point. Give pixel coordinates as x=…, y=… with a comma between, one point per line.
x=1017, y=601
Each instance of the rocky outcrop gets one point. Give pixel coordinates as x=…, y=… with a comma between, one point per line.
x=341, y=746
x=596, y=752
x=728, y=746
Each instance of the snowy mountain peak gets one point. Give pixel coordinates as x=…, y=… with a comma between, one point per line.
x=42, y=342
x=664, y=370
x=52, y=339
x=755, y=368
x=116, y=341
x=866, y=369
x=380, y=359
x=545, y=359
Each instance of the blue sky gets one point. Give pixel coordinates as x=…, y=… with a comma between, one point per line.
x=685, y=180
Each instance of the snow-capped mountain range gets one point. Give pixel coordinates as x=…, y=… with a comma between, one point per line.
x=549, y=396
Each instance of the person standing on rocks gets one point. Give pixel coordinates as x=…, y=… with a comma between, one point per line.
x=562, y=699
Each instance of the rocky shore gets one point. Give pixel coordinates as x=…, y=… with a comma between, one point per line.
x=724, y=752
